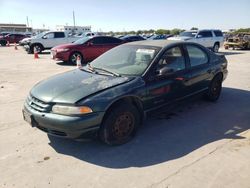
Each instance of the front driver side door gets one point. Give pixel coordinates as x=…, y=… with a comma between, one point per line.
x=164, y=89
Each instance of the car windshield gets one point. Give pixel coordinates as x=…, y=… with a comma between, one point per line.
x=131, y=60
x=188, y=34
x=40, y=34
x=82, y=40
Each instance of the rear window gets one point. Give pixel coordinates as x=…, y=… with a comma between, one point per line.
x=196, y=56
x=218, y=33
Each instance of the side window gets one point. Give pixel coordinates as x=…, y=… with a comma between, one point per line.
x=196, y=56
x=218, y=33
x=59, y=35
x=172, y=58
x=98, y=40
x=110, y=40
x=204, y=34
x=49, y=35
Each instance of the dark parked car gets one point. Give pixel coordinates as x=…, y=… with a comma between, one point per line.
x=159, y=37
x=112, y=95
x=132, y=38
x=12, y=38
x=87, y=49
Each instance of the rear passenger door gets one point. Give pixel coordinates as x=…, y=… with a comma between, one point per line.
x=199, y=68
x=59, y=38
x=205, y=38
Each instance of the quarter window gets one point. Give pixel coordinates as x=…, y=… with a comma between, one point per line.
x=196, y=56
x=173, y=58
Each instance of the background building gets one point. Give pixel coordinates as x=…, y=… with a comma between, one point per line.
x=74, y=29
x=15, y=28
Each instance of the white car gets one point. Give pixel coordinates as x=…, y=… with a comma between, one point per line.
x=209, y=38
x=48, y=40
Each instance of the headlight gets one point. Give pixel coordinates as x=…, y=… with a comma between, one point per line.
x=62, y=50
x=71, y=110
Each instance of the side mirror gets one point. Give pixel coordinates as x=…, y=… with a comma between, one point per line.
x=44, y=37
x=89, y=44
x=165, y=71
x=199, y=36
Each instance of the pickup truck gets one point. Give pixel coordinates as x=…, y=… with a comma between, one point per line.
x=48, y=40
x=209, y=38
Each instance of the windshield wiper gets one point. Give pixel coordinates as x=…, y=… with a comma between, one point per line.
x=105, y=70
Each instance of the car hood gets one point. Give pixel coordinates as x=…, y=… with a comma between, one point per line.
x=73, y=86
x=182, y=38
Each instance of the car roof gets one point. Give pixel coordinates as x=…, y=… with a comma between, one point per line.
x=157, y=43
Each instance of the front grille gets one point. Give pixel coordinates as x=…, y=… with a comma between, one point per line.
x=37, y=104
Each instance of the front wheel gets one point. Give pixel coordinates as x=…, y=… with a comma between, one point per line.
x=73, y=58
x=37, y=47
x=214, y=89
x=120, y=125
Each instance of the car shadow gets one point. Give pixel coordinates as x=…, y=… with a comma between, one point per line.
x=170, y=134
x=231, y=53
x=64, y=63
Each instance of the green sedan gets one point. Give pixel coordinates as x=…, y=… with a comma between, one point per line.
x=111, y=96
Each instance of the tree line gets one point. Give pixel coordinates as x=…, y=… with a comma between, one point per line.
x=175, y=31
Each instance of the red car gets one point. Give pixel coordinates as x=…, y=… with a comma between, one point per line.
x=87, y=49
x=12, y=38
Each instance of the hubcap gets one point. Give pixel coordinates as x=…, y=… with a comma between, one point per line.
x=216, y=88
x=123, y=126
x=74, y=57
x=38, y=49
x=216, y=48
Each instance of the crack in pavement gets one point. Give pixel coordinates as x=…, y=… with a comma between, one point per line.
x=188, y=165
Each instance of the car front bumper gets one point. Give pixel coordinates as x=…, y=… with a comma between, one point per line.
x=59, y=56
x=75, y=127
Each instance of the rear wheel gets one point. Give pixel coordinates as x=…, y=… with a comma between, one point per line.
x=73, y=57
x=120, y=125
x=214, y=89
x=216, y=47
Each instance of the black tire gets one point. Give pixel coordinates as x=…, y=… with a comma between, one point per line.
x=38, y=47
x=3, y=42
x=120, y=125
x=216, y=47
x=214, y=89
x=73, y=57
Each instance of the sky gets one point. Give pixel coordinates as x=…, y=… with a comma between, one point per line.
x=127, y=15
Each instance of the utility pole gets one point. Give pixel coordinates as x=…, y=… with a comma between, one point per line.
x=74, y=20
x=27, y=18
